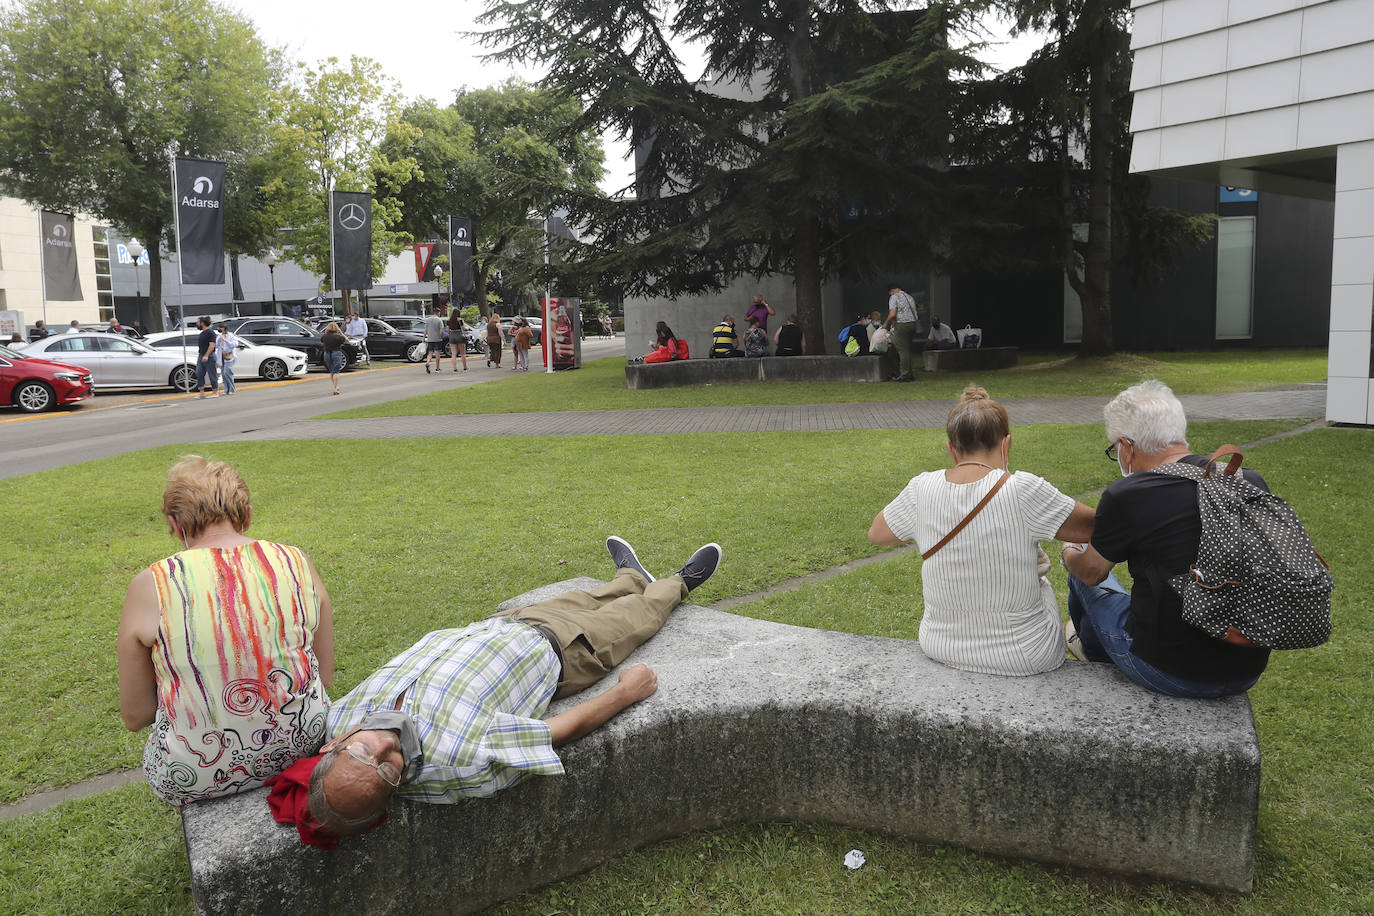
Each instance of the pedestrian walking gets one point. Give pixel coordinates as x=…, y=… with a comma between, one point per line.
x=457, y=339
x=523, y=337
x=207, y=378
x=434, y=341
x=333, y=340
x=227, y=346
x=496, y=341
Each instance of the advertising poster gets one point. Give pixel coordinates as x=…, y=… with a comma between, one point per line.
x=199, y=188
x=562, y=333
x=60, y=280
x=350, y=233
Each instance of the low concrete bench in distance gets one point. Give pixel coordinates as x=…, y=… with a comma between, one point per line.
x=762, y=369
x=970, y=360
x=756, y=721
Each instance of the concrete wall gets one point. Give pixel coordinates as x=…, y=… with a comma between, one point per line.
x=1274, y=95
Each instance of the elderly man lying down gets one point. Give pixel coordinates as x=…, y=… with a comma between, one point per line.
x=458, y=714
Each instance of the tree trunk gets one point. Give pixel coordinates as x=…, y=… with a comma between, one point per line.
x=150, y=310
x=806, y=244
x=807, y=256
x=1096, y=293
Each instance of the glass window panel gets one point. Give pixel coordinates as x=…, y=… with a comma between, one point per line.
x=1235, y=276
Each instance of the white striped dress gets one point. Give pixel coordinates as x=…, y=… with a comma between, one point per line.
x=986, y=609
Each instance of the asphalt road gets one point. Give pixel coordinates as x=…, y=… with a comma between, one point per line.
x=115, y=423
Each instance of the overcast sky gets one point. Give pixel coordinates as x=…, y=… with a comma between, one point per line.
x=424, y=49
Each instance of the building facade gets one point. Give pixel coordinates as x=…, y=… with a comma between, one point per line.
x=1274, y=95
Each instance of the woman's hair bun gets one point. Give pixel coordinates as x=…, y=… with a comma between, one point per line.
x=973, y=393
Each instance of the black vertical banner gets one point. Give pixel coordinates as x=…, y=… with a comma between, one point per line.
x=61, y=282
x=350, y=233
x=199, y=188
x=460, y=253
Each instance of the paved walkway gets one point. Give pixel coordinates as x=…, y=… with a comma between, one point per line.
x=1301, y=403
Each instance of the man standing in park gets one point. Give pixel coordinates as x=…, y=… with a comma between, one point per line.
x=724, y=340
x=74, y=327
x=434, y=341
x=40, y=330
x=901, y=313
x=759, y=309
x=457, y=715
x=207, y=378
x=356, y=329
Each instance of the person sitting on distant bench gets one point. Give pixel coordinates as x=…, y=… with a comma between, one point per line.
x=858, y=332
x=665, y=345
x=789, y=339
x=724, y=340
x=940, y=337
x=460, y=714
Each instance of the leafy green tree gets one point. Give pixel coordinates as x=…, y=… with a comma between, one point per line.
x=816, y=148
x=506, y=157
x=96, y=98
x=334, y=119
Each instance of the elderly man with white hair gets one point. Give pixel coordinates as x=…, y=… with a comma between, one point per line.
x=1150, y=522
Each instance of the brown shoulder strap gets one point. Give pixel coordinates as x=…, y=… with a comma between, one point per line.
x=967, y=518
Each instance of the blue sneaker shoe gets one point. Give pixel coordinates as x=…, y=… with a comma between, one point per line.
x=623, y=555
x=701, y=565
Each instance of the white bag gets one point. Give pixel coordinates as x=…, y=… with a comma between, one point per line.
x=424, y=348
x=882, y=339
x=970, y=338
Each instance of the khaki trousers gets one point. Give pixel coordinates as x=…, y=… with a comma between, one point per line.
x=598, y=629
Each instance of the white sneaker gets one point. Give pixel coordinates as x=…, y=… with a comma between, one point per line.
x=1072, y=643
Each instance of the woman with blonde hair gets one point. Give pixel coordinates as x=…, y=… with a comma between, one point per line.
x=988, y=607
x=333, y=340
x=225, y=648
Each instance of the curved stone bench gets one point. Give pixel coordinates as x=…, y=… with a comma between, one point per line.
x=757, y=721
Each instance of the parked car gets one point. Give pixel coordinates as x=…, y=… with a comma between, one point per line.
x=253, y=360
x=115, y=361
x=34, y=384
x=388, y=341
x=277, y=331
x=412, y=324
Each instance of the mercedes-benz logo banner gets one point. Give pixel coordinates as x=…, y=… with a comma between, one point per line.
x=61, y=282
x=350, y=233
x=199, y=190
x=460, y=253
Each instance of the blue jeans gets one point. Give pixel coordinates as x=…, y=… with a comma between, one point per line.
x=226, y=371
x=207, y=378
x=1099, y=614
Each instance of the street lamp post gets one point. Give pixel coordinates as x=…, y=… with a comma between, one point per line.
x=271, y=259
x=136, y=251
x=439, y=285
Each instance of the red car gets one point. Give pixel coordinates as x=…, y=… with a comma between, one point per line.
x=34, y=384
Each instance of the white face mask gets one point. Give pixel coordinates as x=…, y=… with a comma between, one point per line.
x=1125, y=471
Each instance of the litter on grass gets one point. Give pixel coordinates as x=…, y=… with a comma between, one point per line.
x=854, y=859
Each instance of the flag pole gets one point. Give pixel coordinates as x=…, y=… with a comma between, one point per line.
x=181, y=295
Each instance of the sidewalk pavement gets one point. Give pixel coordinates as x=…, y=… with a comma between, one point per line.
x=1301, y=403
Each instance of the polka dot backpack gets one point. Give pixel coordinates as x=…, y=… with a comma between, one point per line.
x=1257, y=580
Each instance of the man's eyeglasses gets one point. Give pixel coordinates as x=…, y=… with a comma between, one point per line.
x=386, y=771
x=1111, y=449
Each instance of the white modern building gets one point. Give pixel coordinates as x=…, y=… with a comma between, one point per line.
x=1274, y=95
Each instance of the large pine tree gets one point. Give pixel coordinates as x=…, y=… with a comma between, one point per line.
x=812, y=143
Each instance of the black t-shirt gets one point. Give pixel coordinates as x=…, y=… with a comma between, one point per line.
x=858, y=331
x=205, y=343
x=789, y=340
x=1150, y=522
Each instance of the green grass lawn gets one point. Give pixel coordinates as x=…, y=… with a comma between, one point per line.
x=396, y=568
x=600, y=385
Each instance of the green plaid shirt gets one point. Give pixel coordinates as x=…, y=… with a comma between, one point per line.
x=476, y=695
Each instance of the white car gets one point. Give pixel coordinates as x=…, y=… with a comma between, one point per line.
x=116, y=361
x=253, y=361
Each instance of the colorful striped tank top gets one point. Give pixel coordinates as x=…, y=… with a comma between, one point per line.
x=239, y=693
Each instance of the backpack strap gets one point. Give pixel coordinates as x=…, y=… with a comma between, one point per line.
x=1232, y=467
x=967, y=518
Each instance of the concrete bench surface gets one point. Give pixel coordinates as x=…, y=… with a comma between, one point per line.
x=760, y=369
x=970, y=360
x=757, y=721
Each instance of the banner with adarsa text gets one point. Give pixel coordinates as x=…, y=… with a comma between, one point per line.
x=350, y=239
x=460, y=253
x=198, y=186
x=61, y=282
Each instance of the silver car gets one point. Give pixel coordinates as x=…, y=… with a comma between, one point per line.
x=115, y=361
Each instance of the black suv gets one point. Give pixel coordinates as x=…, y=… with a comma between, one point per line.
x=277, y=331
